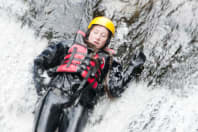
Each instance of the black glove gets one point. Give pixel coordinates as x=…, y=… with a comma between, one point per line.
x=41, y=82
x=137, y=63
x=86, y=63
x=52, y=71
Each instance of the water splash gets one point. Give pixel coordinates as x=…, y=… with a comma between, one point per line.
x=164, y=33
x=18, y=49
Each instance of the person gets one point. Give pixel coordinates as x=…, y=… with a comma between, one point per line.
x=70, y=77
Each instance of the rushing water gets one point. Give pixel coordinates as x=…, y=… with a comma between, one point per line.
x=18, y=49
x=164, y=97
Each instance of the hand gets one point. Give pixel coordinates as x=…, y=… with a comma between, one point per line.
x=41, y=82
x=52, y=71
x=137, y=62
x=45, y=78
x=83, y=66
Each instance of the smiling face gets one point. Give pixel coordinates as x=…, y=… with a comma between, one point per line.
x=98, y=36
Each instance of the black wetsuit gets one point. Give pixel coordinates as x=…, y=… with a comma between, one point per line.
x=58, y=107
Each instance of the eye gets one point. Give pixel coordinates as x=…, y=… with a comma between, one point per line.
x=104, y=35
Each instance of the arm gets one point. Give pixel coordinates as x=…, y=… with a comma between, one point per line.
x=49, y=58
x=119, y=79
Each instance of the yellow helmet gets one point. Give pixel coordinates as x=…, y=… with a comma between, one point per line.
x=103, y=21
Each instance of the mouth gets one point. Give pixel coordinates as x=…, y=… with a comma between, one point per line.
x=95, y=42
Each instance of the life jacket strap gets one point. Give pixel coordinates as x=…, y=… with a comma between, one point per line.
x=72, y=57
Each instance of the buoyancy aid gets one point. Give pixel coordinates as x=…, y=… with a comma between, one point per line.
x=74, y=60
x=77, y=55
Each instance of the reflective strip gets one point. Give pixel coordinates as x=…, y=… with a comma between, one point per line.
x=72, y=56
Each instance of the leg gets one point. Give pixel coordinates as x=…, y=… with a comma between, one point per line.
x=49, y=111
x=74, y=119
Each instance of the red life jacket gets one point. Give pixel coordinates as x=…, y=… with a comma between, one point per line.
x=75, y=57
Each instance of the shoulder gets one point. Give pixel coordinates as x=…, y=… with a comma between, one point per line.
x=110, y=51
x=67, y=43
x=61, y=44
x=107, y=52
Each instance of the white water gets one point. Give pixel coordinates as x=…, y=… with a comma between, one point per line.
x=139, y=105
x=18, y=47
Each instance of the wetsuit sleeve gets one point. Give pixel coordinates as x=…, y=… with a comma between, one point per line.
x=119, y=78
x=116, y=80
x=48, y=59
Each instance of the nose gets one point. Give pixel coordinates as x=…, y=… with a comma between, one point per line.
x=97, y=37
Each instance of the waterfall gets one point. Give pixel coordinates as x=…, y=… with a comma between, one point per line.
x=163, y=99
x=18, y=49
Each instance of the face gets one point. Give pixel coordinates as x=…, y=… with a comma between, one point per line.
x=98, y=36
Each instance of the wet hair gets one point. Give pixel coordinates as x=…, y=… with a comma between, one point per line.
x=107, y=41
